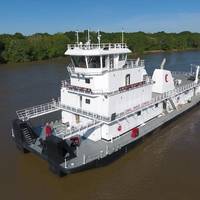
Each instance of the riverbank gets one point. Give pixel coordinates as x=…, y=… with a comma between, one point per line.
x=171, y=51
x=136, y=55
x=59, y=60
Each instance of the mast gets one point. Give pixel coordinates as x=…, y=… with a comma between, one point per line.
x=122, y=36
x=88, y=37
x=197, y=74
x=77, y=37
x=99, y=38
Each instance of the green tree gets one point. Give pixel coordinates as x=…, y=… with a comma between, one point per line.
x=2, y=47
x=18, y=51
x=40, y=46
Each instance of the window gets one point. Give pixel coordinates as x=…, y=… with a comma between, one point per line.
x=103, y=61
x=77, y=118
x=127, y=79
x=87, y=80
x=93, y=61
x=79, y=61
x=122, y=57
x=113, y=116
x=87, y=101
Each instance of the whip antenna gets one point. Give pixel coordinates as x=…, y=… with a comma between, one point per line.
x=99, y=38
x=77, y=37
x=122, y=36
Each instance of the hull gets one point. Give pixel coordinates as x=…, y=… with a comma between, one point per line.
x=116, y=155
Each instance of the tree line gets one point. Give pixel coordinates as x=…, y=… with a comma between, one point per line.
x=20, y=48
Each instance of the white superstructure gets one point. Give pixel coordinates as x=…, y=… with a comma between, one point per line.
x=104, y=82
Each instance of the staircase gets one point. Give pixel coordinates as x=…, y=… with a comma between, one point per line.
x=27, y=136
x=172, y=103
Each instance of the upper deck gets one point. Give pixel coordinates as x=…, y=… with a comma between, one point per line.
x=97, y=49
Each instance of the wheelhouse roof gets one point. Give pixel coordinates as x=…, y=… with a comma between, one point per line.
x=97, y=49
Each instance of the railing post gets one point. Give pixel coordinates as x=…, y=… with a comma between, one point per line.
x=65, y=163
x=26, y=114
x=84, y=159
x=107, y=150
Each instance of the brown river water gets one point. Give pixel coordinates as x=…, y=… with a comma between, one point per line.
x=165, y=165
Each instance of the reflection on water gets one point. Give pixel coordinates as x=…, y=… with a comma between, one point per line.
x=163, y=166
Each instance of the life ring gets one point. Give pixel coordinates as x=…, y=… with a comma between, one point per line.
x=166, y=78
x=48, y=130
x=135, y=132
x=119, y=128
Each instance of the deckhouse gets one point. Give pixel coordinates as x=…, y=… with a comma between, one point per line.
x=104, y=83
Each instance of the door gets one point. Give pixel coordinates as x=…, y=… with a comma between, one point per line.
x=81, y=99
x=111, y=61
x=127, y=79
x=77, y=119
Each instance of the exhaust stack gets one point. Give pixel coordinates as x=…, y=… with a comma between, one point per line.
x=197, y=74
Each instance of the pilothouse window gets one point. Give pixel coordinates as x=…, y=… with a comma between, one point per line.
x=79, y=61
x=93, y=61
x=122, y=57
x=105, y=61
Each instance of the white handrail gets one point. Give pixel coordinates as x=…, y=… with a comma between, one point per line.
x=89, y=46
x=35, y=111
x=66, y=85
